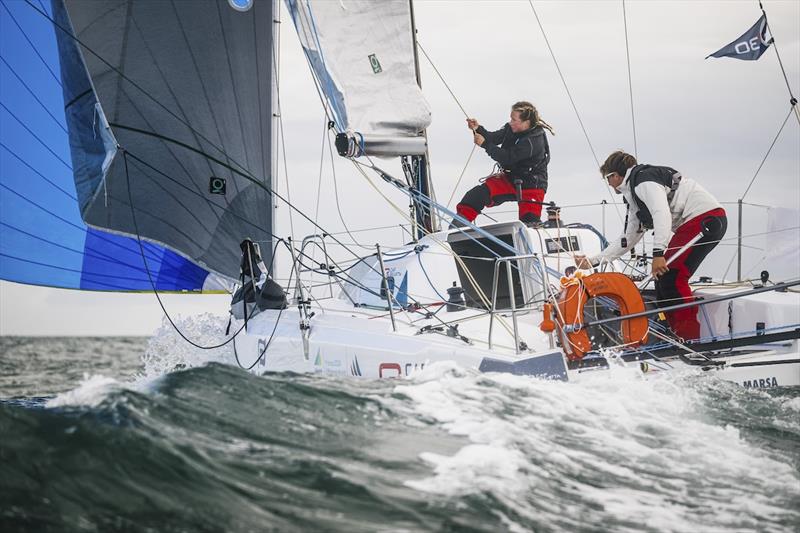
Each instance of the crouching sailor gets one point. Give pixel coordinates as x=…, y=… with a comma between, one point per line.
x=659, y=198
x=522, y=151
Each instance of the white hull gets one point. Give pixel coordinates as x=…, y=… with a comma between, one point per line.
x=353, y=334
x=364, y=346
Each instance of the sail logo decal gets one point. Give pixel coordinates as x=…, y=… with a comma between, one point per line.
x=216, y=185
x=241, y=5
x=375, y=64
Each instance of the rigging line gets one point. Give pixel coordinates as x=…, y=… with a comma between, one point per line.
x=35, y=50
x=630, y=83
x=265, y=153
x=277, y=320
x=30, y=91
x=419, y=45
x=321, y=162
x=150, y=277
x=563, y=81
x=174, y=198
x=285, y=166
x=336, y=196
x=792, y=99
x=248, y=177
x=282, y=139
x=768, y=151
x=35, y=136
x=572, y=101
x=458, y=182
x=155, y=100
x=189, y=190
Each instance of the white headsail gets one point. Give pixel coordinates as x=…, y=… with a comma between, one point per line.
x=362, y=56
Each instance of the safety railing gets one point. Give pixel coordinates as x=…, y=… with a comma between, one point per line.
x=509, y=267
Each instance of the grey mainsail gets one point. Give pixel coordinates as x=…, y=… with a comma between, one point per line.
x=161, y=99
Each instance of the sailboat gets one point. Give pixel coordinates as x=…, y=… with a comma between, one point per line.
x=169, y=112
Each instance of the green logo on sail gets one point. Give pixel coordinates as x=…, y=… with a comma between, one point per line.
x=376, y=65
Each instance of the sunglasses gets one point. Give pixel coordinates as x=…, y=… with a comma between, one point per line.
x=608, y=175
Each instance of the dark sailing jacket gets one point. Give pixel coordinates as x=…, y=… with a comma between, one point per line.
x=524, y=155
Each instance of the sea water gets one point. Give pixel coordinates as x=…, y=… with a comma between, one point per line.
x=137, y=434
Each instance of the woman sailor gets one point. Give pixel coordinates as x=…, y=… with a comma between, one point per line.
x=521, y=150
x=659, y=198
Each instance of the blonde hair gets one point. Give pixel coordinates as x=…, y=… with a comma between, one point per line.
x=527, y=111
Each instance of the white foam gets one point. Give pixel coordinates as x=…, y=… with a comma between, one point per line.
x=475, y=468
x=626, y=443
x=167, y=351
x=90, y=393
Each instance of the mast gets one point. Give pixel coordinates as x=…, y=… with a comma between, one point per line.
x=425, y=220
x=272, y=148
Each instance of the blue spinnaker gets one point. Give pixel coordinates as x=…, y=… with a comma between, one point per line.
x=43, y=239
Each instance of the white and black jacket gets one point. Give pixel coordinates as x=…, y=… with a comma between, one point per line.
x=652, y=204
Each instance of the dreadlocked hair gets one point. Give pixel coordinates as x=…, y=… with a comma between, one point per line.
x=618, y=162
x=527, y=111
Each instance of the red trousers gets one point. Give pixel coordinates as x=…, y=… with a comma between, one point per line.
x=673, y=287
x=498, y=189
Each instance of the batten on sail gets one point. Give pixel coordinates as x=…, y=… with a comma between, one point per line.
x=362, y=56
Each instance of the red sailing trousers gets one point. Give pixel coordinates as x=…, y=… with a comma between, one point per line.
x=498, y=189
x=673, y=287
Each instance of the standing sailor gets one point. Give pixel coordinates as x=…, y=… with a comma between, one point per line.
x=659, y=198
x=521, y=150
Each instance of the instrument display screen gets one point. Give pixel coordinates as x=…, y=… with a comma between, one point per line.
x=564, y=244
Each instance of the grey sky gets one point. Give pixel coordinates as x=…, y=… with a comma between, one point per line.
x=712, y=119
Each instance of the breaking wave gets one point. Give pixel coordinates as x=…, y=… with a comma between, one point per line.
x=208, y=447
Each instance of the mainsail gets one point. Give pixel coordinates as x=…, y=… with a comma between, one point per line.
x=362, y=56
x=168, y=107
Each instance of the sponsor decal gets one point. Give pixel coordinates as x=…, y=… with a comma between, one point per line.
x=392, y=370
x=395, y=370
x=355, y=368
x=328, y=365
x=262, y=349
x=765, y=383
x=411, y=368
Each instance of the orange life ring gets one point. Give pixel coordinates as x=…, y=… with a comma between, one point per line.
x=579, y=290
